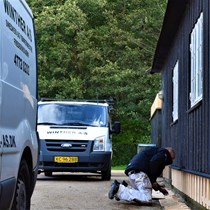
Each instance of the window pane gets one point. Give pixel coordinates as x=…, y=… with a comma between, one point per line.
x=175, y=92
x=197, y=61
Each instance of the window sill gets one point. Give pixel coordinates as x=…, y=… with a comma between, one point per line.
x=195, y=106
x=174, y=122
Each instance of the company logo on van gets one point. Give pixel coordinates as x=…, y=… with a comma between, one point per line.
x=66, y=145
x=67, y=132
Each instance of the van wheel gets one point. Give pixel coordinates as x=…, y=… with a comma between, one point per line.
x=22, y=192
x=106, y=175
x=48, y=173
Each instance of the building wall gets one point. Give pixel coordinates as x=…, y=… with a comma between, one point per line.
x=195, y=187
x=156, y=120
x=190, y=134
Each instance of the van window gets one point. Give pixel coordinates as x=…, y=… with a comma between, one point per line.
x=81, y=114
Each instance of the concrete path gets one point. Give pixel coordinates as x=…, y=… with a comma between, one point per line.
x=170, y=202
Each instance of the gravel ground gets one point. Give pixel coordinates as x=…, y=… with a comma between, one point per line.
x=65, y=191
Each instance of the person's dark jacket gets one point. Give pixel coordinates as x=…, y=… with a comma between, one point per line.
x=151, y=161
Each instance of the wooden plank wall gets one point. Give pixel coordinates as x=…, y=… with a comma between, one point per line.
x=156, y=120
x=190, y=134
x=196, y=187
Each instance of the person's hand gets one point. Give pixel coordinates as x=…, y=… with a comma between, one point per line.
x=155, y=186
x=163, y=190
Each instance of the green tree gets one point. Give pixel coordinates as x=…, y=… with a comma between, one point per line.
x=89, y=49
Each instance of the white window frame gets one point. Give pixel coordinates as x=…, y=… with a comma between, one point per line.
x=196, y=49
x=175, y=91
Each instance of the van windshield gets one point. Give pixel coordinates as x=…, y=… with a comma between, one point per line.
x=72, y=114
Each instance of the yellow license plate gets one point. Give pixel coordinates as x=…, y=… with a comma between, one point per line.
x=64, y=159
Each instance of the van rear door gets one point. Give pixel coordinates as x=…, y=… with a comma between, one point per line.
x=1, y=145
x=18, y=79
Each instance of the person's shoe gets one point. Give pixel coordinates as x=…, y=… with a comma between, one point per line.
x=114, y=188
x=116, y=198
x=124, y=183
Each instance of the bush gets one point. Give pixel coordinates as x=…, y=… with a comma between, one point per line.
x=122, y=153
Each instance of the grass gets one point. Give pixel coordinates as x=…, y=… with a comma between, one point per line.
x=118, y=167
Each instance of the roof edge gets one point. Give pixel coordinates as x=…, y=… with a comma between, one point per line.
x=174, y=12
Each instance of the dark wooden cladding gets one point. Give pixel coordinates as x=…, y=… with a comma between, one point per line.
x=156, y=128
x=190, y=134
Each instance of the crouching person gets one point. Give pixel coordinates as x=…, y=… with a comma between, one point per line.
x=143, y=170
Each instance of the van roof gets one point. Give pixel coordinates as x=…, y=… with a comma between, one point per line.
x=73, y=102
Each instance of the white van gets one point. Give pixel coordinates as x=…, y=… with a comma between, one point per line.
x=75, y=136
x=18, y=105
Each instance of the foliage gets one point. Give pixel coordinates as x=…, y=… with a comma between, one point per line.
x=103, y=48
x=121, y=167
x=121, y=154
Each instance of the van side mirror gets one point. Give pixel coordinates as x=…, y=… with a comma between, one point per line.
x=116, y=127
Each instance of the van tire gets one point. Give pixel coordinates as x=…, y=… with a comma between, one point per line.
x=106, y=175
x=22, y=192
